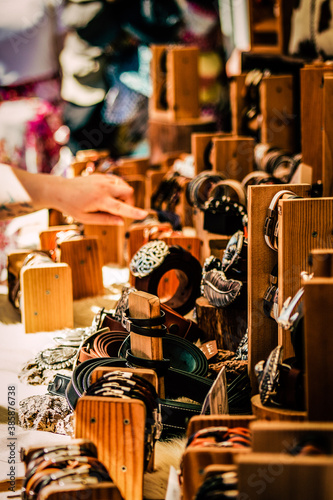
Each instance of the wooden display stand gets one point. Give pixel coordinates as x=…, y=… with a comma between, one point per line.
x=277, y=109
x=165, y=136
x=313, y=219
x=318, y=296
x=226, y=325
x=48, y=237
x=47, y=298
x=233, y=156
x=265, y=412
x=112, y=241
x=84, y=256
x=199, y=144
x=270, y=26
x=263, y=331
x=143, y=305
x=321, y=263
x=282, y=437
x=117, y=428
x=175, y=82
x=196, y=459
x=316, y=122
x=272, y=476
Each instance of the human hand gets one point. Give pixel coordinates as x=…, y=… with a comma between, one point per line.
x=98, y=199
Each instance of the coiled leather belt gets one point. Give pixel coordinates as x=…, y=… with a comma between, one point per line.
x=188, y=271
x=175, y=415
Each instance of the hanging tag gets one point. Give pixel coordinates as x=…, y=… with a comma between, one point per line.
x=209, y=349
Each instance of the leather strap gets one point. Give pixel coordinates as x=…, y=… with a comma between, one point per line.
x=270, y=231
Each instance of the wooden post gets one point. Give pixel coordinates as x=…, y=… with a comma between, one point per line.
x=318, y=318
x=304, y=224
x=47, y=298
x=117, y=428
x=237, y=102
x=143, y=305
x=263, y=331
x=48, y=237
x=226, y=325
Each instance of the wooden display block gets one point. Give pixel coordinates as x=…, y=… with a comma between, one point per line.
x=165, y=136
x=201, y=145
x=196, y=459
x=47, y=298
x=131, y=166
x=270, y=26
x=277, y=109
x=282, y=437
x=99, y=491
x=175, y=82
x=199, y=422
x=272, y=476
x=318, y=318
x=263, y=331
x=304, y=224
x=48, y=237
x=84, y=256
x=153, y=179
x=112, y=241
x=226, y=325
x=316, y=122
x=262, y=412
x=117, y=428
x=233, y=156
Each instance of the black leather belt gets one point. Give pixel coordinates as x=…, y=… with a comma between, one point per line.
x=175, y=415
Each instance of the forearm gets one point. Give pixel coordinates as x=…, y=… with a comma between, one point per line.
x=22, y=192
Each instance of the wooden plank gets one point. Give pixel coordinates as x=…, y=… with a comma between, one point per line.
x=112, y=241
x=117, y=428
x=263, y=331
x=282, y=437
x=47, y=298
x=84, y=256
x=318, y=300
x=327, y=167
x=233, y=156
x=304, y=224
x=272, y=476
x=277, y=108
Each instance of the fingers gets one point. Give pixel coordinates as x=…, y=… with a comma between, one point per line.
x=118, y=207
